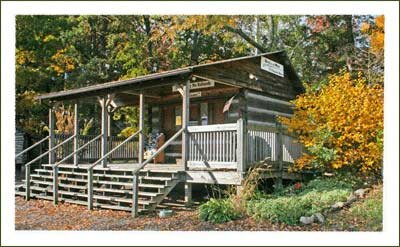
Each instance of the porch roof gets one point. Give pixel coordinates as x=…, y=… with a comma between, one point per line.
x=147, y=81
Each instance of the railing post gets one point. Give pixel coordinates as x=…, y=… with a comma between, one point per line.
x=241, y=151
x=135, y=195
x=52, y=157
x=28, y=182
x=141, y=125
x=76, y=132
x=104, y=128
x=55, y=185
x=185, y=138
x=185, y=121
x=90, y=188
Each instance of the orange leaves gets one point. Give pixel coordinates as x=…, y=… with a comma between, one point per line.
x=341, y=124
x=376, y=33
x=64, y=62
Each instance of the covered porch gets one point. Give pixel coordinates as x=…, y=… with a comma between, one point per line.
x=202, y=113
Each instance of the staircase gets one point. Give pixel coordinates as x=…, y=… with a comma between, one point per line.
x=112, y=188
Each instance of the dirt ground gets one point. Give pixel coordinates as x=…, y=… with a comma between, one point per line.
x=43, y=215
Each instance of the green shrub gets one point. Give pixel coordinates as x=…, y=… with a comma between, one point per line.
x=326, y=184
x=218, y=211
x=289, y=205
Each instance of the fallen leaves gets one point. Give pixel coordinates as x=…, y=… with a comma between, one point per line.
x=43, y=215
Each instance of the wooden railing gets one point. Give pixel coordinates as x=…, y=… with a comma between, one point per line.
x=93, y=151
x=230, y=145
x=213, y=146
x=271, y=143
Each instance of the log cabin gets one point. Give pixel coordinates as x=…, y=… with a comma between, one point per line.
x=217, y=119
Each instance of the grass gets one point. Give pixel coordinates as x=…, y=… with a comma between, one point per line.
x=289, y=204
x=364, y=215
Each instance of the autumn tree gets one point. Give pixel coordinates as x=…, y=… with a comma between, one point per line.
x=340, y=125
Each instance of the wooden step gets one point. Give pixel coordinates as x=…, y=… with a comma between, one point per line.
x=112, y=183
x=80, y=187
x=41, y=176
x=41, y=188
x=72, y=201
x=157, y=178
x=69, y=193
x=41, y=182
x=157, y=186
x=113, y=190
x=50, y=198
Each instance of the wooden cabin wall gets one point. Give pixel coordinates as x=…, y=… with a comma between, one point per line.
x=263, y=110
x=248, y=74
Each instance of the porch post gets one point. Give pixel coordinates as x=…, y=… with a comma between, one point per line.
x=104, y=128
x=52, y=156
x=241, y=151
x=185, y=137
x=140, y=157
x=141, y=128
x=76, y=132
x=185, y=121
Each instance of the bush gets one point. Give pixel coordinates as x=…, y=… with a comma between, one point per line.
x=338, y=128
x=218, y=211
x=290, y=204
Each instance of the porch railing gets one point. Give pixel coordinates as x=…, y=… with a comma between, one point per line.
x=93, y=152
x=213, y=145
x=226, y=145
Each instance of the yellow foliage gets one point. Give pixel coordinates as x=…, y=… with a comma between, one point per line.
x=376, y=33
x=344, y=117
x=63, y=62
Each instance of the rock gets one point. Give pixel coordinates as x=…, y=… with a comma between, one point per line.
x=352, y=198
x=360, y=193
x=319, y=217
x=307, y=220
x=337, y=205
x=165, y=213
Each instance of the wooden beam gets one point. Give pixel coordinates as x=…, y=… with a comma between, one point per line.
x=135, y=190
x=27, y=182
x=90, y=189
x=217, y=81
x=241, y=147
x=55, y=185
x=138, y=94
x=141, y=128
x=76, y=131
x=185, y=122
x=52, y=156
x=104, y=130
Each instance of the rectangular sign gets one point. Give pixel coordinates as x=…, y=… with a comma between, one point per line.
x=197, y=85
x=272, y=67
x=195, y=94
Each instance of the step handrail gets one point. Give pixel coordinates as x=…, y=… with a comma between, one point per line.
x=112, y=150
x=159, y=150
x=50, y=150
x=32, y=146
x=28, y=165
x=76, y=151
